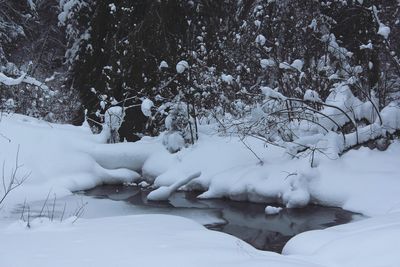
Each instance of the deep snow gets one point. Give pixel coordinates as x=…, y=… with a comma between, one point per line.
x=65, y=158
x=140, y=240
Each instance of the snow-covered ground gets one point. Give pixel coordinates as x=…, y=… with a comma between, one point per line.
x=64, y=158
x=58, y=159
x=141, y=240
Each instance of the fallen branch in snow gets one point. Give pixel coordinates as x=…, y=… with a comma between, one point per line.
x=164, y=192
x=5, y=137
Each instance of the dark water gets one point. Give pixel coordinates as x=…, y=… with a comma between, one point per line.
x=244, y=220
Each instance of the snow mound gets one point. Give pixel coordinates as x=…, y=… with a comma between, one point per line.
x=297, y=64
x=64, y=158
x=270, y=210
x=371, y=242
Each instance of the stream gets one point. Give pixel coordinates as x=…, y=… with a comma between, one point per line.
x=245, y=220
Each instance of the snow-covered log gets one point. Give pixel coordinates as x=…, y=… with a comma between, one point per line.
x=163, y=192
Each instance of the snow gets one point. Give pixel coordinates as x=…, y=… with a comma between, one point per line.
x=64, y=158
x=173, y=141
x=11, y=81
x=163, y=65
x=313, y=25
x=260, y=39
x=164, y=192
x=366, y=46
x=284, y=65
x=113, y=117
x=311, y=95
x=233, y=172
x=182, y=66
x=141, y=240
x=391, y=117
x=270, y=210
x=383, y=30
x=370, y=242
x=32, y=5
x=22, y=79
x=297, y=64
x=271, y=93
x=267, y=63
x=66, y=6
x=113, y=8
x=228, y=168
x=227, y=78
x=146, y=106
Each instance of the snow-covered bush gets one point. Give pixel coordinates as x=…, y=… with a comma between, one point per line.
x=314, y=127
x=113, y=119
x=179, y=127
x=215, y=55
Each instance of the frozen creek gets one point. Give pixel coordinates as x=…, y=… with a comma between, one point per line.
x=244, y=220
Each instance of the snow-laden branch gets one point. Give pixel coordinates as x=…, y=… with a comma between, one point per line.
x=4, y=79
x=11, y=81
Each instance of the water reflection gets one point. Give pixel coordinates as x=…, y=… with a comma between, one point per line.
x=244, y=220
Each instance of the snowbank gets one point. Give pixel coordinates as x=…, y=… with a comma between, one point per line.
x=354, y=182
x=139, y=240
x=64, y=158
x=371, y=242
